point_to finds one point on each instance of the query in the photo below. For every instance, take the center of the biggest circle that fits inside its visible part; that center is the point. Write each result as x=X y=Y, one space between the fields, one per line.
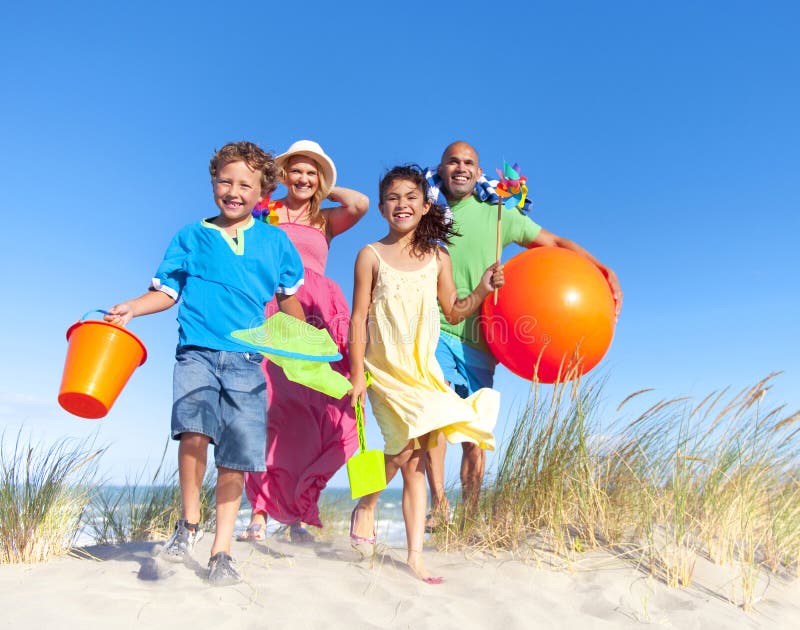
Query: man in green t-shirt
x=462 y=352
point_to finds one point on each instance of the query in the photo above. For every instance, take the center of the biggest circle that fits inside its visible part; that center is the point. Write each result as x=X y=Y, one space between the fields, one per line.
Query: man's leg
x=473 y=465
x=461 y=362
x=479 y=371
x=440 y=508
x=437 y=445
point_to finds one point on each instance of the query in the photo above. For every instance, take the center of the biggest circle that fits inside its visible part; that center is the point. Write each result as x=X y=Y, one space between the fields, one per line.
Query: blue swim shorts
x=222 y=395
x=468 y=369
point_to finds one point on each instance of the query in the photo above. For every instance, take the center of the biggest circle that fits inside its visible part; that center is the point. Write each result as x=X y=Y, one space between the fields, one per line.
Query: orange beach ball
x=554 y=318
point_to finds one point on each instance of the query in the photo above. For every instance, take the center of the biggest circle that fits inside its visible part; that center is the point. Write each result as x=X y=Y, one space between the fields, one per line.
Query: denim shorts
x=222 y=395
x=466 y=368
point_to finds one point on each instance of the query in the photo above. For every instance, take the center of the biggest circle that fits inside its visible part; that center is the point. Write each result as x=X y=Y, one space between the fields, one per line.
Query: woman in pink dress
x=309 y=435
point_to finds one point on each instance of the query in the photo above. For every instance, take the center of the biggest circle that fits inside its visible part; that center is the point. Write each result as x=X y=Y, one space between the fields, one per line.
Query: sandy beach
x=328 y=585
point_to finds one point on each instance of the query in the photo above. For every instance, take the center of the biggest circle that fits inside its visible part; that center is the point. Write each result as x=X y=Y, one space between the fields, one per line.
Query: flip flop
x=433 y=579
x=253 y=532
x=299 y=535
x=355 y=539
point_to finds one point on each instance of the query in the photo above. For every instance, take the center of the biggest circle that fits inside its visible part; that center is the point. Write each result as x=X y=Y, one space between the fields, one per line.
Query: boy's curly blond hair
x=252 y=155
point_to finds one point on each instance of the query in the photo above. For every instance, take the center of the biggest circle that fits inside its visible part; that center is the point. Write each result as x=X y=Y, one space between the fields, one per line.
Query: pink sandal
x=253 y=532
x=355 y=539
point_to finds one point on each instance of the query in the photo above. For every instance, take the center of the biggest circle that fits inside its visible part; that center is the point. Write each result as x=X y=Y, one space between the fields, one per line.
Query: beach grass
x=661 y=487
x=334 y=512
x=659 y=483
x=141 y=512
x=44 y=492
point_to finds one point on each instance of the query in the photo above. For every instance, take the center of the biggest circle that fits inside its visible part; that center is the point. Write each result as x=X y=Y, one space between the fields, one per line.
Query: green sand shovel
x=366 y=470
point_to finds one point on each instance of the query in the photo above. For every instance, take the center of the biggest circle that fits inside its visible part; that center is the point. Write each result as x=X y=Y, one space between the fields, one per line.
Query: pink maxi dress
x=309 y=434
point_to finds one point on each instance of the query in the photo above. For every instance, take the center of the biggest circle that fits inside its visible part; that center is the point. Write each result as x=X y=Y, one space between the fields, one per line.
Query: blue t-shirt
x=223 y=283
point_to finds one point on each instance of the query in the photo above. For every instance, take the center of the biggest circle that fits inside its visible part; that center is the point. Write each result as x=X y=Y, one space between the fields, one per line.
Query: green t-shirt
x=473 y=251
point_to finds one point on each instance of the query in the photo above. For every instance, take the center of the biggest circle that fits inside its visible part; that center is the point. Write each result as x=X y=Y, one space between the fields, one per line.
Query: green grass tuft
x=139 y=512
x=43 y=495
x=660 y=487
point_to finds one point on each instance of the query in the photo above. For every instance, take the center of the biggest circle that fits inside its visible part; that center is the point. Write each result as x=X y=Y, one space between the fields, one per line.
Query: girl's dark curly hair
x=433 y=228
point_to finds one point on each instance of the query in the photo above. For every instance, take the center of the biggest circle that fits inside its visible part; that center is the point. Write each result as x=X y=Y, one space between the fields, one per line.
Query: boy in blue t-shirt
x=224 y=270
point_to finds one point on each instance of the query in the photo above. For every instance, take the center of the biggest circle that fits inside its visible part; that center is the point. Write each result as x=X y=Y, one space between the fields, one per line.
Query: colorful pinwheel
x=511 y=193
x=511 y=188
x=267 y=211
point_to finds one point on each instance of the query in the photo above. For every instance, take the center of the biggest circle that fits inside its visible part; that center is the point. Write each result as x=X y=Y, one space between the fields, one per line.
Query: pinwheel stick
x=499 y=245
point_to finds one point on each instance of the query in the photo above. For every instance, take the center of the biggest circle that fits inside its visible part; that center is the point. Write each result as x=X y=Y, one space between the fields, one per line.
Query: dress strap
x=434 y=261
x=297 y=218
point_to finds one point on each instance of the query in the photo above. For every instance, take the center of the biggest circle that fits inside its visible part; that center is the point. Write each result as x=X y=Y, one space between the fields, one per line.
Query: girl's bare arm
x=457 y=309
x=363 y=280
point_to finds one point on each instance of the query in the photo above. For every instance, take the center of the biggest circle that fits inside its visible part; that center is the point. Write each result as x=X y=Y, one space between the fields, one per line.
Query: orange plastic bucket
x=100 y=359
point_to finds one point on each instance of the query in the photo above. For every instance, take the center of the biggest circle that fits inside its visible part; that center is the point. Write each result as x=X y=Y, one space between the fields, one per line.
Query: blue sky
x=664 y=137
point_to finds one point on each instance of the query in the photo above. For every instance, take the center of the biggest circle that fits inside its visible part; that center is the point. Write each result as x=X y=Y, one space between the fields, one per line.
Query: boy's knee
x=194 y=440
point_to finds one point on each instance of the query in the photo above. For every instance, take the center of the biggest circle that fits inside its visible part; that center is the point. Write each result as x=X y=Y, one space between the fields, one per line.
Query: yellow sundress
x=409 y=395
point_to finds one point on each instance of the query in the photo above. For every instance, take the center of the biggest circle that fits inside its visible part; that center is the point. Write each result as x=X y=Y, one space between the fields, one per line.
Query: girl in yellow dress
x=394 y=329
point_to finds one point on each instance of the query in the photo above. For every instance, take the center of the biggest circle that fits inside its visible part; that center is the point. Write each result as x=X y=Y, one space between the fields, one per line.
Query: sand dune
x=327 y=585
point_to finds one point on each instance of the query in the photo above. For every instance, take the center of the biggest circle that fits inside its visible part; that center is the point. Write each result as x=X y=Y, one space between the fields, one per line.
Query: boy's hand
x=493 y=278
x=290 y=305
x=359 y=391
x=119 y=314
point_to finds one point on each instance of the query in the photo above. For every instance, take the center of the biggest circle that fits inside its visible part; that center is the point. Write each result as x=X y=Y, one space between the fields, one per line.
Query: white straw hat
x=311 y=149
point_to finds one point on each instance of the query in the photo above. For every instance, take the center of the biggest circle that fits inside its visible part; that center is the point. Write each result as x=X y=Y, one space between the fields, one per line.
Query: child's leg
x=440 y=507
x=415 y=500
x=191 y=470
x=230 y=484
x=363 y=518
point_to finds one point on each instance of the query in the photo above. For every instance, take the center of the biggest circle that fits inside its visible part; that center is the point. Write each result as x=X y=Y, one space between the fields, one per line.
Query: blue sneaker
x=221 y=571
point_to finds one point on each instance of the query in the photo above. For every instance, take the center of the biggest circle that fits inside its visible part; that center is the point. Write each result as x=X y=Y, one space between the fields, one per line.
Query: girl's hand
x=493 y=278
x=359 y=391
x=119 y=314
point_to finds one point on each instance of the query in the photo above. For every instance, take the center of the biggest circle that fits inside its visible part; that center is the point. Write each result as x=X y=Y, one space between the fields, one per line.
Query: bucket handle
x=95 y=310
x=105 y=312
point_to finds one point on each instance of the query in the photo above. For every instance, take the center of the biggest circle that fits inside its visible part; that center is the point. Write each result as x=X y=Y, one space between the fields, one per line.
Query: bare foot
x=417 y=567
x=299 y=535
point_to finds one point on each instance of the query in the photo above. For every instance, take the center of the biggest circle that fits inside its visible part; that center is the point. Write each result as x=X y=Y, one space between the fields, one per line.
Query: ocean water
x=335 y=508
